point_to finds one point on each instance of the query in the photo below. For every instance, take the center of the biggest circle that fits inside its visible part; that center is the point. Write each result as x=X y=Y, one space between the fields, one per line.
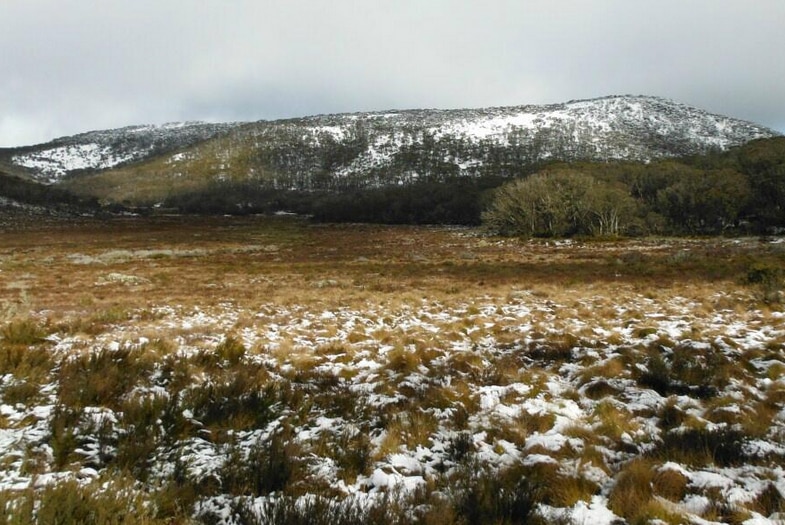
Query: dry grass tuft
x=633 y=496
x=670 y=484
x=407 y=430
x=557 y=487
x=98 y=503
x=23 y=332
x=769 y=501
x=612 y=421
x=101 y=378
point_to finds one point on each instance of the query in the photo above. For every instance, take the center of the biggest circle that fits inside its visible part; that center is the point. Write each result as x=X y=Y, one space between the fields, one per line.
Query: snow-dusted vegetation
x=348 y=151
x=101 y=150
x=270 y=371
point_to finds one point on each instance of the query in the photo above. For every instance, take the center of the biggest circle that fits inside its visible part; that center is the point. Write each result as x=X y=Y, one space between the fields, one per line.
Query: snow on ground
x=56 y=162
x=384 y=357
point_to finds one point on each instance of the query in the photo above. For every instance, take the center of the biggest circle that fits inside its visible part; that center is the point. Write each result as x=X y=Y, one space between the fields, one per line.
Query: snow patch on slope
x=56 y=162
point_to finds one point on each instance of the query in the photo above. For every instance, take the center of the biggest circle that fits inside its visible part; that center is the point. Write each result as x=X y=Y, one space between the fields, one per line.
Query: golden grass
x=226 y=270
x=633 y=495
x=613 y=421
x=209 y=292
x=670 y=484
x=406 y=430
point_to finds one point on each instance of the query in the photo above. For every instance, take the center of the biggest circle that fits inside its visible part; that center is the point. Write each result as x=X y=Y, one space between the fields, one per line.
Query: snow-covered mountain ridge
x=395 y=147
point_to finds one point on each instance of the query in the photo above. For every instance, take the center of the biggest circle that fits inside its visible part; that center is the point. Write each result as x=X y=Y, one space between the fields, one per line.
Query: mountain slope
x=99 y=150
x=367 y=150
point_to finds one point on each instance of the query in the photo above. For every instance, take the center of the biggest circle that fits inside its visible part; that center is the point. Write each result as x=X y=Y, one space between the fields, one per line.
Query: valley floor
x=267 y=370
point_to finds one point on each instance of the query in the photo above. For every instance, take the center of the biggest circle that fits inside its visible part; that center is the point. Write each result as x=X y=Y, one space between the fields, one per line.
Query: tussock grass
x=114 y=503
x=24 y=332
x=516 y=430
x=404 y=359
x=609 y=369
x=613 y=421
x=670 y=484
x=600 y=389
x=633 y=496
x=406 y=430
x=769 y=501
x=699 y=447
x=101 y=378
x=29 y=364
x=554 y=486
x=307 y=367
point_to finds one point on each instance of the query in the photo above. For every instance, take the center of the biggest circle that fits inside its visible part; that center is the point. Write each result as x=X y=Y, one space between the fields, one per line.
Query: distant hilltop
x=362 y=150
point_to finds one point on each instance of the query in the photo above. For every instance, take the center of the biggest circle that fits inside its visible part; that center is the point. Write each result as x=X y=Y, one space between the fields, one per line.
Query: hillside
x=101 y=150
x=365 y=150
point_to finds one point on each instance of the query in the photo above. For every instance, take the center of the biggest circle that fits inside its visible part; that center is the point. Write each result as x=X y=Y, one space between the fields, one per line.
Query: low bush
x=316 y=510
x=722 y=446
x=101 y=378
x=23 y=332
x=271 y=465
x=633 y=496
x=240 y=400
x=769 y=280
x=98 y=503
x=480 y=495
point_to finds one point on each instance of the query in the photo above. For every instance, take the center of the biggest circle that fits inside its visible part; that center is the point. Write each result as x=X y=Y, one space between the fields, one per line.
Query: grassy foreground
x=266 y=370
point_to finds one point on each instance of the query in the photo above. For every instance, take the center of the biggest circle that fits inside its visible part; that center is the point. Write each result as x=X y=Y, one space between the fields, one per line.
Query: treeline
x=742 y=190
x=455 y=201
x=33 y=193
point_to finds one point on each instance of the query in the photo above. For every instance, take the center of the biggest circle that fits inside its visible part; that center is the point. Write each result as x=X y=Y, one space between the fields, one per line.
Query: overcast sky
x=69 y=66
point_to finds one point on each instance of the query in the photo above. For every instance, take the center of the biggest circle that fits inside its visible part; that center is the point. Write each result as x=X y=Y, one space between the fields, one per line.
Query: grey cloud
x=79 y=65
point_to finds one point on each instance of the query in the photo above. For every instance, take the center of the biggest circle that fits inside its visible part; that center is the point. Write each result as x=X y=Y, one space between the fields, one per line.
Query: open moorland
x=270 y=370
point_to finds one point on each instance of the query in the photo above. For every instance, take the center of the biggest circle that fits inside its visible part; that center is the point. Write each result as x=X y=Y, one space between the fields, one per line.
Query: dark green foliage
x=29 y=192
x=453 y=201
x=101 y=378
x=704 y=201
x=721 y=446
x=686 y=371
x=318 y=511
x=240 y=198
x=448 y=201
x=769 y=279
x=142 y=433
x=269 y=466
x=461 y=447
x=475 y=496
x=763 y=162
x=741 y=190
x=62 y=434
x=353 y=453
x=240 y=402
x=507 y=497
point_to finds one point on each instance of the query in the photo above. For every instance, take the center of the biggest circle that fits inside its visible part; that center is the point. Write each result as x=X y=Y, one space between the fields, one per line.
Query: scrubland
x=268 y=370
